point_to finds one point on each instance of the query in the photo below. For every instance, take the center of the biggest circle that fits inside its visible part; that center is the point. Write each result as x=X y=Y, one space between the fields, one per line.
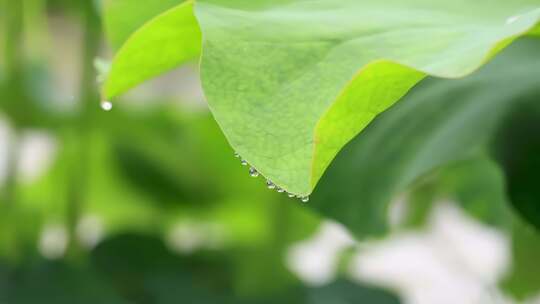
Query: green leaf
x=518 y=150
x=123 y=17
x=55 y=282
x=535 y=31
x=439 y=122
x=523 y=280
x=476 y=184
x=162 y=44
x=347 y=292
x=290 y=82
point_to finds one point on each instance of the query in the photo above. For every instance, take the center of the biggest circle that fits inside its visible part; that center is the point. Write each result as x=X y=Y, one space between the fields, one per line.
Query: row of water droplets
x=254 y=173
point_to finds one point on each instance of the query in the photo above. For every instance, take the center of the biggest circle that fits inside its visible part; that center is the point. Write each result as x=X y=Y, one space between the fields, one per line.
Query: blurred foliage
x=519 y=155
x=477 y=184
x=524 y=280
x=439 y=122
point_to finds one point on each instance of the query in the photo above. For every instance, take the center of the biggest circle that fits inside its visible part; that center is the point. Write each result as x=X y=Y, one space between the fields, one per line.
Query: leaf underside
x=290 y=82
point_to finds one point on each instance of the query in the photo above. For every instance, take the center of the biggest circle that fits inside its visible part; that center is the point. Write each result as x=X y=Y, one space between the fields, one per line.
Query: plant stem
x=13 y=65
x=13 y=42
x=89 y=98
x=10 y=183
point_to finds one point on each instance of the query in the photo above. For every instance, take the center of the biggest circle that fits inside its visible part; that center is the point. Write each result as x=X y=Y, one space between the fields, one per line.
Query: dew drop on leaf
x=305 y=199
x=270 y=185
x=280 y=190
x=243 y=162
x=253 y=172
x=290 y=195
x=106 y=105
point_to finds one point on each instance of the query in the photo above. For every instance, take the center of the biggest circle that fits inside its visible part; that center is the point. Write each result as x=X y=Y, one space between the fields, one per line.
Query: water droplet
x=244 y=162
x=291 y=195
x=280 y=190
x=253 y=172
x=270 y=185
x=236 y=155
x=106 y=105
x=305 y=199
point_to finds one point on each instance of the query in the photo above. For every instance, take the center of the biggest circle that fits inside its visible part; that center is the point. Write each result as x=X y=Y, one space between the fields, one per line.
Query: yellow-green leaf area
x=160 y=45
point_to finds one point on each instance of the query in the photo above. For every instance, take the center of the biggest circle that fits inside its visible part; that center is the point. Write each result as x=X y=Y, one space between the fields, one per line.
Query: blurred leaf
x=116 y=258
x=151 y=170
x=26 y=104
x=162 y=44
x=55 y=282
x=518 y=149
x=123 y=17
x=168 y=166
x=523 y=281
x=346 y=292
x=439 y=122
x=288 y=224
x=160 y=277
x=536 y=31
x=291 y=82
x=476 y=184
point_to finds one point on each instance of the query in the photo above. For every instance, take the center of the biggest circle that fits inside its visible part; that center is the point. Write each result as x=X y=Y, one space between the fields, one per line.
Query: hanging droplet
x=290 y=195
x=270 y=185
x=244 y=162
x=106 y=105
x=305 y=199
x=236 y=155
x=280 y=190
x=253 y=172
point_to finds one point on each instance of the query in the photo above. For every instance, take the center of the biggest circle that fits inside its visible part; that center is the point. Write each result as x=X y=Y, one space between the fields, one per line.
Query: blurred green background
x=146 y=203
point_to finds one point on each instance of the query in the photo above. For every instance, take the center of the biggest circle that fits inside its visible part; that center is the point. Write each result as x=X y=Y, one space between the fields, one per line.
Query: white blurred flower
x=457 y=260
x=53 y=241
x=90 y=231
x=315 y=260
x=36 y=153
x=188 y=237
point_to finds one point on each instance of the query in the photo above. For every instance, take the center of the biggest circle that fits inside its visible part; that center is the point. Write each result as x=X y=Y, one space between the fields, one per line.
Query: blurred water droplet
x=253 y=172
x=270 y=185
x=243 y=162
x=106 y=105
x=236 y=155
x=305 y=199
x=280 y=190
x=290 y=195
